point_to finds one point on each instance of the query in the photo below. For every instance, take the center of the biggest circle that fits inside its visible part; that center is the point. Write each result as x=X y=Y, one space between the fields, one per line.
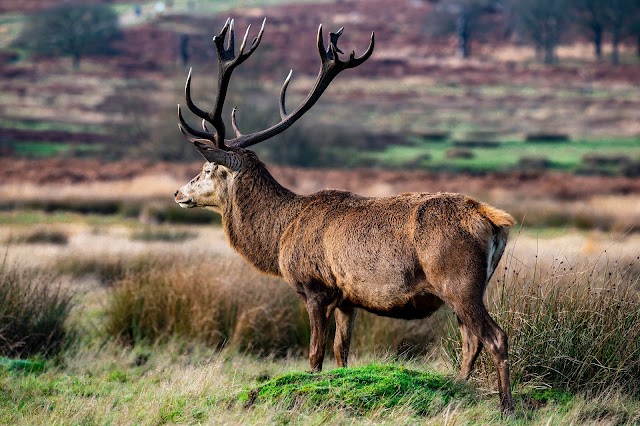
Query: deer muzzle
x=183 y=201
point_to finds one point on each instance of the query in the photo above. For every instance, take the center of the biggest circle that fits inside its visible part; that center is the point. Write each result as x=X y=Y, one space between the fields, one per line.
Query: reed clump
x=571 y=325
x=33 y=313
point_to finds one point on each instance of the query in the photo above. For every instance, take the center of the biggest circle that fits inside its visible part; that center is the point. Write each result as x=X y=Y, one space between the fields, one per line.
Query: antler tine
x=330 y=67
x=219 y=39
x=187 y=94
x=244 y=40
x=257 y=39
x=233 y=122
x=231 y=46
x=204 y=126
x=184 y=126
x=283 y=91
x=354 y=62
x=320 y=43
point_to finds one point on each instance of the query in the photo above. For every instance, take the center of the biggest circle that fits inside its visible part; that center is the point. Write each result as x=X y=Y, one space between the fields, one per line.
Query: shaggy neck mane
x=258 y=212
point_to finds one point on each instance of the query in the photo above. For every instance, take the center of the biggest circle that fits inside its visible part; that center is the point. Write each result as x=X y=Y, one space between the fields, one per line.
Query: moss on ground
x=360 y=390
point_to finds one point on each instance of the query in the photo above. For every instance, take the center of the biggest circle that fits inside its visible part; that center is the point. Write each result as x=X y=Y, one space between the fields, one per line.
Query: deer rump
x=400 y=256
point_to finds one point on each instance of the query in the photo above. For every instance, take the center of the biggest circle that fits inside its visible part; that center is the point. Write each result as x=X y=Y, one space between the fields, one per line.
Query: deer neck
x=259 y=211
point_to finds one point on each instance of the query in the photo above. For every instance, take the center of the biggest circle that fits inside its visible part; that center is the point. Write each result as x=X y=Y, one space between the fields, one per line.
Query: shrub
x=43 y=236
x=476 y=143
x=570 y=326
x=599 y=160
x=432 y=136
x=547 y=137
x=534 y=163
x=33 y=314
x=464 y=153
x=607 y=165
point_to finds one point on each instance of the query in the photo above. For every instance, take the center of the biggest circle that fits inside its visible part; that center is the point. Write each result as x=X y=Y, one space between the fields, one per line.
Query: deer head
x=226 y=158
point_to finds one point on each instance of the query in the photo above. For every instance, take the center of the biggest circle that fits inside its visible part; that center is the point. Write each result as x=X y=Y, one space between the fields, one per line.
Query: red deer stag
x=402 y=256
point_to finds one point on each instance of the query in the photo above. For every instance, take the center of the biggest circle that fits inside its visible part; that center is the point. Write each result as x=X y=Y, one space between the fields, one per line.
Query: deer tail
x=498 y=217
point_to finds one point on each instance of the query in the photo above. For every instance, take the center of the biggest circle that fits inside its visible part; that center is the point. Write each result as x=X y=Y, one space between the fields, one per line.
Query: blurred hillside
x=454 y=85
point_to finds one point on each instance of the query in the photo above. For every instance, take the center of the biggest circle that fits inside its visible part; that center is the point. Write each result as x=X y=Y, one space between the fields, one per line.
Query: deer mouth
x=186 y=203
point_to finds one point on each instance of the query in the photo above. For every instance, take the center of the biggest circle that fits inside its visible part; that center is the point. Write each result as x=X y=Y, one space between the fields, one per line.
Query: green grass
x=180 y=383
x=44 y=125
x=49 y=149
x=566 y=156
x=22 y=365
x=360 y=390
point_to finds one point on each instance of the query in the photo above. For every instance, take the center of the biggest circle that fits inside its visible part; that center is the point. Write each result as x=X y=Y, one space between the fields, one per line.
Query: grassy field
x=118 y=307
x=168 y=326
x=508 y=155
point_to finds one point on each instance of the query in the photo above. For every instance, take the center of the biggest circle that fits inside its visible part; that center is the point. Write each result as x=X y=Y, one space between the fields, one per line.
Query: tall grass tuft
x=33 y=314
x=224 y=302
x=218 y=301
x=570 y=325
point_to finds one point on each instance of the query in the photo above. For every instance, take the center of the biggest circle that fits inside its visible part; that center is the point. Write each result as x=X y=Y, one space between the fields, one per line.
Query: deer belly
x=393 y=301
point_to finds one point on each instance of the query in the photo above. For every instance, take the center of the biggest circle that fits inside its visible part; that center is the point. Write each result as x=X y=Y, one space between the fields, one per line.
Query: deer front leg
x=319 y=314
x=345 y=318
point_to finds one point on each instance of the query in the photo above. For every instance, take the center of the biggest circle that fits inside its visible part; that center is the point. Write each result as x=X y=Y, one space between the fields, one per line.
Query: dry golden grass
x=179 y=302
x=221 y=301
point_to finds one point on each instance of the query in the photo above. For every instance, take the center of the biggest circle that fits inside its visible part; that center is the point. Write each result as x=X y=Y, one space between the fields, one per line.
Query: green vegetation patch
x=607 y=155
x=22 y=365
x=48 y=149
x=359 y=390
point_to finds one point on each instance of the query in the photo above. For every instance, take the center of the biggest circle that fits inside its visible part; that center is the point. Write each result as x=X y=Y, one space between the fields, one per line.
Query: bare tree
x=592 y=15
x=622 y=17
x=464 y=17
x=74 y=30
x=543 y=22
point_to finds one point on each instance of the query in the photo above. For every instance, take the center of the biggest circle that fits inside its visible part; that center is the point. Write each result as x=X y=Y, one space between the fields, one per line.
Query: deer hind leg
x=345 y=318
x=471 y=347
x=319 y=314
x=478 y=321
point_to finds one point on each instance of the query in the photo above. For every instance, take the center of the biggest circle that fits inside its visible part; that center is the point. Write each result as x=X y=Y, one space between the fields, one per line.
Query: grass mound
x=360 y=390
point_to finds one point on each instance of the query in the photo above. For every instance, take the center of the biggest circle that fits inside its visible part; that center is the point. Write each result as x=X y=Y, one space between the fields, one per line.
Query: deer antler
x=227 y=62
x=213 y=146
x=330 y=67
